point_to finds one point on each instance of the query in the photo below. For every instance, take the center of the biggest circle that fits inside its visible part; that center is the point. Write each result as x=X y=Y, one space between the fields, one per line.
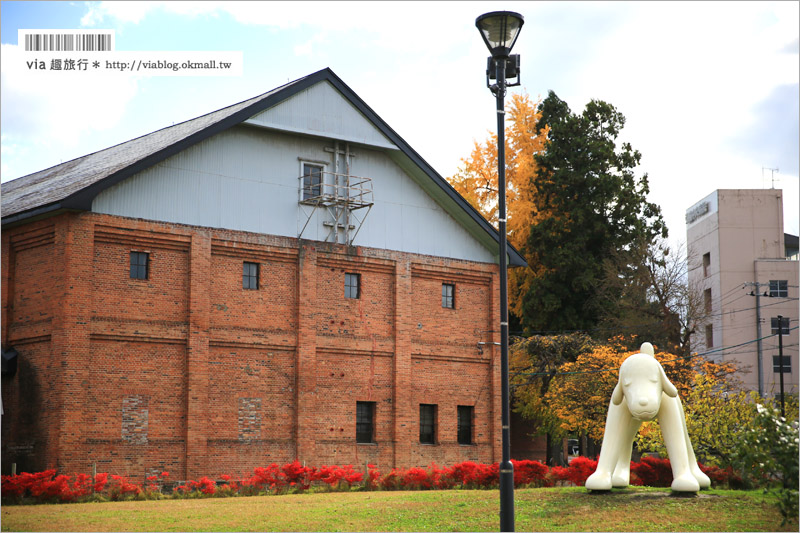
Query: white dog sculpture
x=648 y=394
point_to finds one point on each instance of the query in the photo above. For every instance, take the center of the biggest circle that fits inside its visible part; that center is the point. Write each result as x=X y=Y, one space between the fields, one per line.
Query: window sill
x=366 y=443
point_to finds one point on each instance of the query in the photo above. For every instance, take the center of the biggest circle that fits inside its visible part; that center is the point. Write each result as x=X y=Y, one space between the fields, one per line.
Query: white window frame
x=322 y=181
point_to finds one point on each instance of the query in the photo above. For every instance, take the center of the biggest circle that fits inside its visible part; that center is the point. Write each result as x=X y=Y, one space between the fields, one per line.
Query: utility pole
x=757 y=293
x=780 y=358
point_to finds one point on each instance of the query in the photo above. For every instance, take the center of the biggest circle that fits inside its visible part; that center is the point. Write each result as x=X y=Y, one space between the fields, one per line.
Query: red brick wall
x=189 y=372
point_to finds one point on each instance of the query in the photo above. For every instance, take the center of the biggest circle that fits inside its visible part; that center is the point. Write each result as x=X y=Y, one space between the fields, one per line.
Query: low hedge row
x=293 y=477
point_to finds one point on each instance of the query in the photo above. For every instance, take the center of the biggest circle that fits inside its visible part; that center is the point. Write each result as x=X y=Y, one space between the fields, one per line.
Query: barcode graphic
x=68 y=42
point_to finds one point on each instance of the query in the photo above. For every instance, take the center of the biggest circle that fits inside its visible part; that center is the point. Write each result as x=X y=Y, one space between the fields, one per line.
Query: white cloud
x=45 y=110
x=689 y=77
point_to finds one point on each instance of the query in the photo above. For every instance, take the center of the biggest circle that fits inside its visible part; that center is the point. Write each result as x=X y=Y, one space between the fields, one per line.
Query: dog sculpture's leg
x=701 y=477
x=622 y=471
x=616 y=427
x=672 y=428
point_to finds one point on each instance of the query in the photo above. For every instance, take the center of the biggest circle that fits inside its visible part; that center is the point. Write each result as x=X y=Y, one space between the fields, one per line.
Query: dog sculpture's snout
x=643 y=401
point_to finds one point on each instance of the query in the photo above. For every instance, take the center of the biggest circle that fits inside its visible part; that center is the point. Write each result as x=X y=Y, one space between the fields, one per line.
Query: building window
x=465 y=418
x=448 y=295
x=709 y=336
x=365 y=422
x=139 y=264
x=352 y=285
x=787 y=364
x=312 y=180
x=427 y=424
x=707 y=300
x=250 y=276
x=706 y=264
x=779 y=288
x=783 y=326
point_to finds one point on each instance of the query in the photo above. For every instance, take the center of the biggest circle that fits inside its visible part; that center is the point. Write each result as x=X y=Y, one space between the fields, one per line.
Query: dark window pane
x=352 y=285
x=448 y=295
x=139 y=262
x=250 y=275
x=784 y=325
x=787 y=364
x=312 y=180
x=427 y=424
x=779 y=288
x=465 y=416
x=365 y=413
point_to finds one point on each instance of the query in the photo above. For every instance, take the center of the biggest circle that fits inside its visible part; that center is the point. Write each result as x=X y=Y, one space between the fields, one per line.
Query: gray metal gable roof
x=74 y=184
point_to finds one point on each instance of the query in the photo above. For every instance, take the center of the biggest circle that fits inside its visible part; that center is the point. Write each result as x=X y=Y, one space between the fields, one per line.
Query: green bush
x=769 y=453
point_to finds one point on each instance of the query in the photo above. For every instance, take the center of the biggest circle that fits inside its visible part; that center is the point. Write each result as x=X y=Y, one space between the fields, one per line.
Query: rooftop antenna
x=773 y=171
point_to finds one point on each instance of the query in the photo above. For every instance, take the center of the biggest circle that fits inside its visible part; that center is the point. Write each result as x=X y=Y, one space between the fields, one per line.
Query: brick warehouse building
x=282 y=278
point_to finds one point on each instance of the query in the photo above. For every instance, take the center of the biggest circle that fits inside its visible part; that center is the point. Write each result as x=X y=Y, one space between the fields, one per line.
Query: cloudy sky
x=709 y=90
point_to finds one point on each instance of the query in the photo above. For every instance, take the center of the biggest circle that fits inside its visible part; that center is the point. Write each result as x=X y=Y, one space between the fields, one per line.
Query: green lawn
x=556 y=509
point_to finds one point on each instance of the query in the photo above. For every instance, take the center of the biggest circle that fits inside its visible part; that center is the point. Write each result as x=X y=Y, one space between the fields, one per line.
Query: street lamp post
x=500 y=30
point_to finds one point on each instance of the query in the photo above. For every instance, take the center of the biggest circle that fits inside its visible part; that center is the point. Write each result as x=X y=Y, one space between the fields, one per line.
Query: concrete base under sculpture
x=647 y=394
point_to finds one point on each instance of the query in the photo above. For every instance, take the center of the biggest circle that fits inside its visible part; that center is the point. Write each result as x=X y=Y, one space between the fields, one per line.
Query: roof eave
x=82 y=199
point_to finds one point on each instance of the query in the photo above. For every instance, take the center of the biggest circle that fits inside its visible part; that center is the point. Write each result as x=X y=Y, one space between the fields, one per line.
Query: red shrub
x=653 y=471
x=416 y=478
x=373 y=477
x=296 y=475
x=442 y=477
x=100 y=481
x=334 y=475
x=476 y=475
x=530 y=473
x=576 y=473
x=120 y=487
x=725 y=477
x=391 y=481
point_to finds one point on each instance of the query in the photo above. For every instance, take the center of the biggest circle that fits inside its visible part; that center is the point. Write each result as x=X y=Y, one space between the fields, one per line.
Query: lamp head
x=500 y=30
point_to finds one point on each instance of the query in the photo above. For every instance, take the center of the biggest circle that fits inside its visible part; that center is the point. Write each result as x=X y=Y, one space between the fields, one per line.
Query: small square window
x=778 y=288
x=139 y=264
x=784 y=325
x=250 y=276
x=787 y=364
x=352 y=285
x=466 y=414
x=365 y=422
x=427 y=424
x=448 y=295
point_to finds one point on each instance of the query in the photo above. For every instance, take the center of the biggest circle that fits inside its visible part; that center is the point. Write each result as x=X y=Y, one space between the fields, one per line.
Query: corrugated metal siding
x=320 y=110
x=247 y=179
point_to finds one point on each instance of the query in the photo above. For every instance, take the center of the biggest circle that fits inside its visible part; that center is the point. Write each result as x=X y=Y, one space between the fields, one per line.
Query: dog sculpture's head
x=641 y=382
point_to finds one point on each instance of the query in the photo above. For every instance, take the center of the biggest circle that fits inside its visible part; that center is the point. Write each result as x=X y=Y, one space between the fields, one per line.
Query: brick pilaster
x=403 y=422
x=7 y=288
x=70 y=342
x=306 y=363
x=197 y=357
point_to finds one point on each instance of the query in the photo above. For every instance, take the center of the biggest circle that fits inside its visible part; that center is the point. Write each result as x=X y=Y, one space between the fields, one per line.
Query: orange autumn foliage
x=580 y=394
x=477 y=179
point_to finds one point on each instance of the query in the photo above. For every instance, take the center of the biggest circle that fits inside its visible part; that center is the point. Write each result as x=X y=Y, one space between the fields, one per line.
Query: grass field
x=555 y=509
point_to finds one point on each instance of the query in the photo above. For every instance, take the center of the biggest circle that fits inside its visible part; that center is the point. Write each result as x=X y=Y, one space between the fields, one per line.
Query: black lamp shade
x=500 y=30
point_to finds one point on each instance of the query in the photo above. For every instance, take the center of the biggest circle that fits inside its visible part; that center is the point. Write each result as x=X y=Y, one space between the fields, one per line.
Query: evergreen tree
x=589 y=206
